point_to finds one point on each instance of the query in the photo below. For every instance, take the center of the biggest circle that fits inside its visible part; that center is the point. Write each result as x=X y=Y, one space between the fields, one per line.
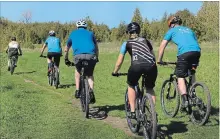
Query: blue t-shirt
x=123 y=48
x=184 y=38
x=82 y=42
x=53 y=44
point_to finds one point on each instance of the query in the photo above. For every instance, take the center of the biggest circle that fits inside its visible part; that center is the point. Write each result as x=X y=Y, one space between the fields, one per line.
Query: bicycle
x=53 y=75
x=145 y=111
x=84 y=88
x=12 y=64
x=200 y=116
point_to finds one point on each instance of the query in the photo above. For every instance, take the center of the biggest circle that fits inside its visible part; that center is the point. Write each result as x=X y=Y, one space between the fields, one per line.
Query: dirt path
x=96 y=113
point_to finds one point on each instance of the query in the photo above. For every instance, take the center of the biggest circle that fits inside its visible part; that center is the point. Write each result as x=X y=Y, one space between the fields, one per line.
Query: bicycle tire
x=133 y=128
x=176 y=96
x=56 y=79
x=207 y=108
x=149 y=125
x=82 y=94
x=87 y=98
x=51 y=78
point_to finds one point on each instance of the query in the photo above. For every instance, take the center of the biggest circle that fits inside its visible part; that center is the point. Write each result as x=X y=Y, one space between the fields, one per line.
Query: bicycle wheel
x=87 y=98
x=50 y=78
x=200 y=102
x=170 y=98
x=56 y=79
x=150 y=117
x=134 y=125
x=82 y=94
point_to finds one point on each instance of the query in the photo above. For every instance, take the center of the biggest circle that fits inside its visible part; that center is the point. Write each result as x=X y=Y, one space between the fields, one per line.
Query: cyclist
x=188 y=52
x=142 y=62
x=84 y=47
x=12 y=50
x=54 y=50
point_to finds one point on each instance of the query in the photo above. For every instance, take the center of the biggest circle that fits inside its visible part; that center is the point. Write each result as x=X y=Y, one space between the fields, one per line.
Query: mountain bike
x=84 y=88
x=53 y=75
x=197 y=94
x=145 y=111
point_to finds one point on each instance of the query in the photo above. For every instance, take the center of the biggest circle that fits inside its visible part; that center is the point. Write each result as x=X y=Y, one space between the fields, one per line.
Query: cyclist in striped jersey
x=142 y=62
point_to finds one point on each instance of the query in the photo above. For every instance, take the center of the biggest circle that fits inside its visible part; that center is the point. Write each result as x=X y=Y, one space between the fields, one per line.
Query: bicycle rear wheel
x=87 y=98
x=82 y=94
x=170 y=98
x=56 y=79
x=133 y=124
x=200 y=101
x=150 y=117
x=50 y=78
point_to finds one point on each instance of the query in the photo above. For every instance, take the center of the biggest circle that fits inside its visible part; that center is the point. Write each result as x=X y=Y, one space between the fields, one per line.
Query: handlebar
x=119 y=74
x=167 y=63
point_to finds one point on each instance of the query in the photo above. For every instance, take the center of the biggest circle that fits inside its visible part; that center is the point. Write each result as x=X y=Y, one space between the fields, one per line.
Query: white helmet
x=81 y=23
x=52 y=33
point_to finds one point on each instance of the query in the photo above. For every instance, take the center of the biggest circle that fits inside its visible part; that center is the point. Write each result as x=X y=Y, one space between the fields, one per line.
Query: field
x=30 y=108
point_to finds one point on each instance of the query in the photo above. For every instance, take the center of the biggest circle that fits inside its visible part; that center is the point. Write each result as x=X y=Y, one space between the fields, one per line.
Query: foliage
x=204 y=24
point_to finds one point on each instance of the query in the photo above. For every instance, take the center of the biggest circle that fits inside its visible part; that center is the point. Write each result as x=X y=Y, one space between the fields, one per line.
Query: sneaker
x=77 y=94
x=15 y=65
x=185 y=104
x=132 y=115
x=8 y=68
x=92 y=97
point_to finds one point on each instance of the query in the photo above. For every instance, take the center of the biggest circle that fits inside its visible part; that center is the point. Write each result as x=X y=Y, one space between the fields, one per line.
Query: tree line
x=205 y=24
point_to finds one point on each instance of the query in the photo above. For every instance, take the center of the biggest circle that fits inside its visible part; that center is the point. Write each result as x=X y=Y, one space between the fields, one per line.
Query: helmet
x=81 y=23
x=174 y=20
x=133 y=27
x=13 y=38
x=52 y=33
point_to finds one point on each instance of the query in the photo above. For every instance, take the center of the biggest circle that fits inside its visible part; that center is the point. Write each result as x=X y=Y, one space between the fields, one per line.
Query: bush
x=28 y=45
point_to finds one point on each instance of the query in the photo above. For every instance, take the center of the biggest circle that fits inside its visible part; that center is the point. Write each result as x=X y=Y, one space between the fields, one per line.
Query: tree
x=137 y=17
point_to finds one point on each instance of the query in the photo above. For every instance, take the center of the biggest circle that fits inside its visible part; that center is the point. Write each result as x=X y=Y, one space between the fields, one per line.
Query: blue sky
x=110 y=13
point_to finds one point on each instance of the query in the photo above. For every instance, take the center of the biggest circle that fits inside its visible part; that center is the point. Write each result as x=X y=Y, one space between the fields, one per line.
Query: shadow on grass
x=66 y=85
x=18 y=73
x=214 y=111
x=101 y=112
x=166 y=131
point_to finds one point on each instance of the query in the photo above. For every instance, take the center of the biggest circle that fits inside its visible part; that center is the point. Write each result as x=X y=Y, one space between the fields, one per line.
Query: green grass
x=30 y=110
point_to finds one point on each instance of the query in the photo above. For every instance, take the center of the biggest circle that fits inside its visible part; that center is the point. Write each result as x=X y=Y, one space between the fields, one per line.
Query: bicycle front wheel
x=12 y=65
x=170 y=98
x=150 y=117
x=200 y=101
x=133 y=124
x=56 y=81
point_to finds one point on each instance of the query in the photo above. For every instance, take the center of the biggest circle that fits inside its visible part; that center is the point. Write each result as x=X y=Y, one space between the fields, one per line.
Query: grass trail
x=41 y=111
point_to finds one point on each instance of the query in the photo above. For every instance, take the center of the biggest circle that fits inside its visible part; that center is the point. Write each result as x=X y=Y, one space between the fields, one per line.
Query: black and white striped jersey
x=139 y=50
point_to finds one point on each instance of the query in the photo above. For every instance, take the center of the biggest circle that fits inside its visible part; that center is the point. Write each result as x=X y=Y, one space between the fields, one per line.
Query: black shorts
x=186 y=62
x=90 y=58
x=135 y=72
x=56 y=57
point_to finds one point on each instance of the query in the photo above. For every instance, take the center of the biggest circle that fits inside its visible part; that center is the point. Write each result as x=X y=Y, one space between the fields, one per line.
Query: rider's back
x=13 y=47
x=53 y=44
x=184 y=38
x=82 y=41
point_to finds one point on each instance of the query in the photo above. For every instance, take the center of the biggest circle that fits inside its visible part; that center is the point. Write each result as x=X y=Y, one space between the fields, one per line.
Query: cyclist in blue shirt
x=54 y=50
x=84 y=47
x=188 y=52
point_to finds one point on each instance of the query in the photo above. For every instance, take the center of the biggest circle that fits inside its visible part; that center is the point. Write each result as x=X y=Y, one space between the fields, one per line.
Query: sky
x=110 y=13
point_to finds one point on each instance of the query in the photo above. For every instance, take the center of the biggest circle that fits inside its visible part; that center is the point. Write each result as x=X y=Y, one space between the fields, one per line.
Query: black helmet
x=174 y=20
x=133 y=27
x=13 y=38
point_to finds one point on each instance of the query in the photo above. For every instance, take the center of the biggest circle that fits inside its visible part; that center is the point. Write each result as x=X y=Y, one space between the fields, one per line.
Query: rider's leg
x=183 y=92
x=16 y=60
x=151 y=91
x=91 y=81
x=131 y=98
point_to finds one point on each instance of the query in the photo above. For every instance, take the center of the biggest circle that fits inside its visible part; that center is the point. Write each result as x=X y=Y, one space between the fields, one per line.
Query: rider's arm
x=19 y=48
x=67 y=47
x=120 y=57
x=96 y=46
x=43 y=47
x=163 y=44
